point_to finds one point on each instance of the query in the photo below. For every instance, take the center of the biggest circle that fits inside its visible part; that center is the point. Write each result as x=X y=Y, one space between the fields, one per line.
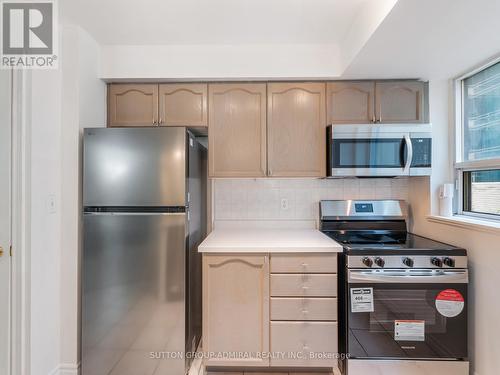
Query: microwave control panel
x=422 y=152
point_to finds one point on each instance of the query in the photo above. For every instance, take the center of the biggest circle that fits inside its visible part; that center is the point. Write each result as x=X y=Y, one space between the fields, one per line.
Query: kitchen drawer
x=303 y=308
x=308 y=339
x=299 y=285
x=304 y=263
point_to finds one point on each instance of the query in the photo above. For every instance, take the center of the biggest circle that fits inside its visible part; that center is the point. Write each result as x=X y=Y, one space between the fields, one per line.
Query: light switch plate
x=51 y=204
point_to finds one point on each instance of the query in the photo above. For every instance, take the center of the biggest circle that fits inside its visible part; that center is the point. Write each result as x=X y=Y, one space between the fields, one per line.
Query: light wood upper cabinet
x=183 y=104
x=296 y=129
x=400 y=101
x=236 y=307
x=350 y=102
x=237 y=130
x=132 y=105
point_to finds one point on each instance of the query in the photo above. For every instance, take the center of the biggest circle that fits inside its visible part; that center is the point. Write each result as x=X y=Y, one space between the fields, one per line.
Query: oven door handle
x=408 y=276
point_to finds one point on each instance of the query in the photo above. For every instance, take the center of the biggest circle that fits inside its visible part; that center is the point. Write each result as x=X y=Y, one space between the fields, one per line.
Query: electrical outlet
x=284 y=204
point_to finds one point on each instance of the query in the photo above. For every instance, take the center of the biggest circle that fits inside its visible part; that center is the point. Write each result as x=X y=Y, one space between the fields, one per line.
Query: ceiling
x=222 y=22
x=426 y=39
x=430 y=39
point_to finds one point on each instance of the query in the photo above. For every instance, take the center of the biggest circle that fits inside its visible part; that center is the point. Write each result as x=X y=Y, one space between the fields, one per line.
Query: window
x=478 y=143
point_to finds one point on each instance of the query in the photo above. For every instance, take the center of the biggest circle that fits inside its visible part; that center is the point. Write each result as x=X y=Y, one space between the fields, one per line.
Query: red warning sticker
x=450 y=303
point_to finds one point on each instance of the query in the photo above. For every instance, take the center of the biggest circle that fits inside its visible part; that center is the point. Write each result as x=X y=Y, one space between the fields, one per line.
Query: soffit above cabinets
x=222 y=22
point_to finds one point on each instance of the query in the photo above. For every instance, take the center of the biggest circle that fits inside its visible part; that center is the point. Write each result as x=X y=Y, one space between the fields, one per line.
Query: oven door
x=417 y=314
x=364 y=155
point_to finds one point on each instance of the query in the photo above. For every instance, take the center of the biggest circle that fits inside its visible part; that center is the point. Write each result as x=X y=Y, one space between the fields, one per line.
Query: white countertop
x=255 y=240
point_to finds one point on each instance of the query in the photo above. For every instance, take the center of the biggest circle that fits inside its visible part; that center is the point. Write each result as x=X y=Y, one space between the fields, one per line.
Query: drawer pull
x=305 y=347
x=305 y=312
x=305 y=287
x=304 y=265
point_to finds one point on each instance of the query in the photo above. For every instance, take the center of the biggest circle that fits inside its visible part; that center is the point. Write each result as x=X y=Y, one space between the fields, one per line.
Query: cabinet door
x=132 y=105
x=237 y=130
x=183 y=104
x=236 y=308
x=296 y=129
x=350 y=102
x=399 y=101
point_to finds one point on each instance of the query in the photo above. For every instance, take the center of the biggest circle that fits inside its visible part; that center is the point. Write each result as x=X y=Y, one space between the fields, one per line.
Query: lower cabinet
x=236 y=309
x=250 y=309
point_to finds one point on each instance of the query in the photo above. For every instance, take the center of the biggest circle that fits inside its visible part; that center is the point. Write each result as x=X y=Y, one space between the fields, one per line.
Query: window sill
x=467 y=222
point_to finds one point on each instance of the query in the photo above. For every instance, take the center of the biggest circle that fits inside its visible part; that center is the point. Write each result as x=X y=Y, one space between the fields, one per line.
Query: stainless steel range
x=404 y=297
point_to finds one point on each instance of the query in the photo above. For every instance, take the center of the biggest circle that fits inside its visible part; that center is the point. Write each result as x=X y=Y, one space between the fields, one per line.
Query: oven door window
x=368 y=153
x=372 y=334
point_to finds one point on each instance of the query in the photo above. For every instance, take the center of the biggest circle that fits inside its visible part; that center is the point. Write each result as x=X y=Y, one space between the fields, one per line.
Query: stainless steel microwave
x=379 y=150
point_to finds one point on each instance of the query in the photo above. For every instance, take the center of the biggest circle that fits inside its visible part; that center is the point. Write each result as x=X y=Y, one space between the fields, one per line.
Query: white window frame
x=461 y=166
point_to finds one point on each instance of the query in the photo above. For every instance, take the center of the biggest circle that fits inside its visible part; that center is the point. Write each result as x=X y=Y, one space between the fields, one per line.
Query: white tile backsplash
x=295 y=199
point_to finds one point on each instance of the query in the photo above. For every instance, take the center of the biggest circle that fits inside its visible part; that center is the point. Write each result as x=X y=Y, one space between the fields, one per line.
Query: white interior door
x=5 y=218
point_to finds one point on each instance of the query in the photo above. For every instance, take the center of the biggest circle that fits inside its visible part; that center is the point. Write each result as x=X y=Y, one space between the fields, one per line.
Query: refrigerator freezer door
x=134 y=167
x=133 y=292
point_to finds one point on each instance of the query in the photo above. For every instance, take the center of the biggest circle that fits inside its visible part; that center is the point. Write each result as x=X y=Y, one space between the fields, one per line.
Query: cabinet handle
x=161 y=121
x=374 y=120
x=270 y=172
x=305 y=312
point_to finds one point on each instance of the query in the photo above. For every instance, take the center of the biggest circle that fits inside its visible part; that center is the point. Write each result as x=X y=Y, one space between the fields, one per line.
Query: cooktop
x=392 y=243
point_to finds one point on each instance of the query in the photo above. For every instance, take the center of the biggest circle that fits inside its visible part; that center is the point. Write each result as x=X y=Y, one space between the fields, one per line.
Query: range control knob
x=367 y=262
x=449 y=262
x=379 y=262
x=437 y=262
x=408 y=262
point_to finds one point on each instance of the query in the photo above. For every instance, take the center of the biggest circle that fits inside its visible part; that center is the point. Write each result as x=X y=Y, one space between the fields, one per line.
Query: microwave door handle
x=459 y=277
x=409 y=154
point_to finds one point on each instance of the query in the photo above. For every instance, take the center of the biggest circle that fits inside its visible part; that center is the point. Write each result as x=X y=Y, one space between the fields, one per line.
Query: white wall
x=69 y=200
x=440 y=108
x=198 y=62
x=45 y=225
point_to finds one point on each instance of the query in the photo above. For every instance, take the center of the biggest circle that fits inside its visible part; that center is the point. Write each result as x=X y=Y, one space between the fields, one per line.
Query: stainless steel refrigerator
x=144 y=195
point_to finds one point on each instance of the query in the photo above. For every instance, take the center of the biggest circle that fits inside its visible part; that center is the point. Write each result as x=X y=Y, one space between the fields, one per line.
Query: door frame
x=20 y=221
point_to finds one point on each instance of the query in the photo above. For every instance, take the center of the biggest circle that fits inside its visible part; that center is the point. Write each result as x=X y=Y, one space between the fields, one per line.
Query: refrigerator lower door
x=407 y=367
x=133 y=293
